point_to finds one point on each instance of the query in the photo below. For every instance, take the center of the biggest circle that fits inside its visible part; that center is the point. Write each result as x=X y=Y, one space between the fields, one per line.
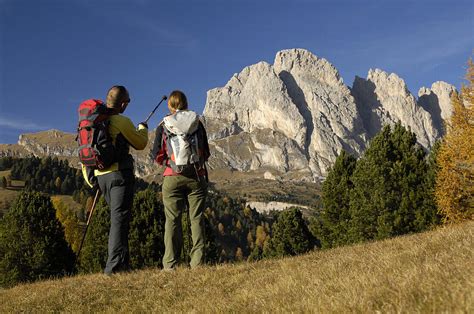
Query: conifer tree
x=290 y=235
x=94 y=251
x=32 y=244
x=146 y=230
x=389 y=187
x=335 y=217
x=430 y=216
x=455 y=180
x=211 y=247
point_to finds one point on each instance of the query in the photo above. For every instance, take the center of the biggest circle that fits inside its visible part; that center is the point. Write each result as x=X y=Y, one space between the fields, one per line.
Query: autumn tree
x=261 y=237
x=455 y=180
x=73 y=230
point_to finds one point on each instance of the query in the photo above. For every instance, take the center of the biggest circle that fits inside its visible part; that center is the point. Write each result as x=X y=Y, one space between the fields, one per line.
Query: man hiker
x=117 y=181
x=181 y=145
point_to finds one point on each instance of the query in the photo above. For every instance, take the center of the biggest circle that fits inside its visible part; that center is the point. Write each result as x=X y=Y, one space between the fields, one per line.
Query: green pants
x=179 y=193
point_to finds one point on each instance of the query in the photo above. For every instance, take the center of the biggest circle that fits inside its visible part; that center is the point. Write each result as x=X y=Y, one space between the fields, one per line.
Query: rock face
x=296 y=115
x=437 y=101
x=384 y=99
x=49 y=143
x=326 y=104
x=254 y=124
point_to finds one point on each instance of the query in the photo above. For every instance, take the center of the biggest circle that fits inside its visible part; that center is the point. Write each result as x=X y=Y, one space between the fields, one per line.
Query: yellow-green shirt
x=136 y=137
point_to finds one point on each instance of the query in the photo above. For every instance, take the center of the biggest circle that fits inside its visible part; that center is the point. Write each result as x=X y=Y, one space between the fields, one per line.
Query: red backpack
x=96 y=150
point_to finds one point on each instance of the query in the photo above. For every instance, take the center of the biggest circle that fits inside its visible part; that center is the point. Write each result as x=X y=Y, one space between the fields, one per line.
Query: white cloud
x=21 y=125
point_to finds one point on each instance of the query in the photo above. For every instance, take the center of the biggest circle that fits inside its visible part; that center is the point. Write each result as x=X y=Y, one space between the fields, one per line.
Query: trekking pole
x=151 y=113
x=88 y=221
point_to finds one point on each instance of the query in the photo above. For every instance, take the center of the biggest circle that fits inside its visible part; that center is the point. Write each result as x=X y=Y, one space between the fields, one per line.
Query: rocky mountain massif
x=291 y=119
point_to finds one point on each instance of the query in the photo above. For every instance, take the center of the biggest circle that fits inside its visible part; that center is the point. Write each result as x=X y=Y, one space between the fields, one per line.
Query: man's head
x=118 y=98
x=177 y=101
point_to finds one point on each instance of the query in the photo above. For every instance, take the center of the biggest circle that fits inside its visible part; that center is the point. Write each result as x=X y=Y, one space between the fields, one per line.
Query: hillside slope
x=429 y=272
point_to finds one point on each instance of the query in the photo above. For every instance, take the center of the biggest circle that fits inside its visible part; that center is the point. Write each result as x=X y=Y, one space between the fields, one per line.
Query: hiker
x=184 y=179
x=117 y=182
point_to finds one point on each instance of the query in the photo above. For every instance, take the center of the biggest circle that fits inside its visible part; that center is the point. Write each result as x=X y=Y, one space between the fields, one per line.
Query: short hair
x=116 y=96
x=177 y=100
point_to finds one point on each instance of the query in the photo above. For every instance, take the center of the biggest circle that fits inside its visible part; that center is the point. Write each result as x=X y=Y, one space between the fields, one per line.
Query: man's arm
x=136 y=137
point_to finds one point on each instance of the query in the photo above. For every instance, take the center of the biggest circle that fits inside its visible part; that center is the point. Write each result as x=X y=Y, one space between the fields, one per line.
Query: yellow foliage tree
x=260 y=235
x=455 y=179
x=70 y=222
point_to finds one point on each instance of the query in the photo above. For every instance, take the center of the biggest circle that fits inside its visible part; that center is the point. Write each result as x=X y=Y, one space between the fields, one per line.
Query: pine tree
x=32 y=244
x=455 y=180
x=389 y=186
x=290 y=235
x=94 y=251
x=146 y=231
x=429 y=215
x=335 y=217
x=211 y=247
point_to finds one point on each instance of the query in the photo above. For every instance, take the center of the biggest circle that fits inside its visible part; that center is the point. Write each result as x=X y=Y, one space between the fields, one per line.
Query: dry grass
x=427 y=273
x=8 y=195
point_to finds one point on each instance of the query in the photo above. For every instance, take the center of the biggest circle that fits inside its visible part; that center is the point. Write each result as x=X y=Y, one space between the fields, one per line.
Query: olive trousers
x=179 y=193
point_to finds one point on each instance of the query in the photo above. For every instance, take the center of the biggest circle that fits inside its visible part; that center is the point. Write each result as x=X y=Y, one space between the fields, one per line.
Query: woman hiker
x=181 y=145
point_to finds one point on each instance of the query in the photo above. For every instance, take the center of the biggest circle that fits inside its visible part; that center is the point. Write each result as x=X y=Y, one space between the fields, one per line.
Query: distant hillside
x=253 y=185
x=428 y=273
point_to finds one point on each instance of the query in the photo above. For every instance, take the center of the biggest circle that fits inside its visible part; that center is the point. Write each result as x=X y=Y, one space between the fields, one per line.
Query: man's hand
x=144 y=124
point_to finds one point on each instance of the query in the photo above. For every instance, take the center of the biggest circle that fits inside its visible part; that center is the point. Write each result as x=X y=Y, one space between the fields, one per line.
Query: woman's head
x=177 y=101
x=118 y=98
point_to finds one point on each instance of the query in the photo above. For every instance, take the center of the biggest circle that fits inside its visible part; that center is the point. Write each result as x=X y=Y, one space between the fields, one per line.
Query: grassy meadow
x=8 y=195
x=430 y=272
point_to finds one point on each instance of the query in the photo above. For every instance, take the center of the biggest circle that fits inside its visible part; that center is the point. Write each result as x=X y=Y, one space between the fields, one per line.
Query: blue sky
x=56 y=53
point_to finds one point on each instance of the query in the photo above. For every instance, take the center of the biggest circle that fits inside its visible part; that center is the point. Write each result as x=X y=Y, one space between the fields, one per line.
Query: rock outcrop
x=437 y=101
x=384 y=98
x=330 y=113
x=297 y=114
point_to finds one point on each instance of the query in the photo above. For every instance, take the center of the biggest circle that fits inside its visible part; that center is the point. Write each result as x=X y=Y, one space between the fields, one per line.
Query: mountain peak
x=310 y=114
